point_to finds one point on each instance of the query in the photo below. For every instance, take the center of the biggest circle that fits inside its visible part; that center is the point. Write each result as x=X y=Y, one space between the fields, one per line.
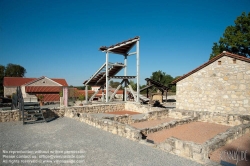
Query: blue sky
x=61 y=38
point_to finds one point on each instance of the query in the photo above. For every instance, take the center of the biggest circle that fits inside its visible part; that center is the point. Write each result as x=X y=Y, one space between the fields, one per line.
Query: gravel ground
x=65 y=135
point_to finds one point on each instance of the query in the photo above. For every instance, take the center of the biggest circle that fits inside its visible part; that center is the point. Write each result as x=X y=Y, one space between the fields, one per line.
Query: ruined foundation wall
x=102 y=108
x=114 y=127
x=211 y=117
x=200 y=152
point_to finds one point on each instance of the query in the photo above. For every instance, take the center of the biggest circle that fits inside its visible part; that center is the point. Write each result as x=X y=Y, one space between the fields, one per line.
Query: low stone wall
x=211 y=117
x=100 y=108
x=157 y=113
x=125 y=119
x=132 y=106
x=200 y=152
x=114 y=127
x=13 y=115
x=128 y=119
x=9 y=115
x=168 y=125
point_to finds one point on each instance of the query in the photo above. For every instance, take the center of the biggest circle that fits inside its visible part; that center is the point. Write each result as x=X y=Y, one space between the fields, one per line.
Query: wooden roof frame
x=121 y=48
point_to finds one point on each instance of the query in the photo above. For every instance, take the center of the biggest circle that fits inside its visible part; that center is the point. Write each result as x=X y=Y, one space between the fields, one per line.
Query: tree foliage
x=13 y=70
x=133 y=85
x=2 y=71
x=162 y=77
x=114 y=84
x=236 y=39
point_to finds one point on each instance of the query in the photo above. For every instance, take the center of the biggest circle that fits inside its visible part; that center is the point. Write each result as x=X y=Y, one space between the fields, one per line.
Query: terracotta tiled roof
x=60 y=81
x=50 y=97
x=18 y=81
x=90 y=92
x=211 y=61
x=42 y=89
x=119 y=92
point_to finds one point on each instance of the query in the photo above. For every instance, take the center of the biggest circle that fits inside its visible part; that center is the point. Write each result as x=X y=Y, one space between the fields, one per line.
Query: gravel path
x=69 y=136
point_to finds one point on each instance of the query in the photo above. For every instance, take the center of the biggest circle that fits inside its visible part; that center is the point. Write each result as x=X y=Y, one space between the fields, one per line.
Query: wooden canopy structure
x=109 y=70
x=156 y=84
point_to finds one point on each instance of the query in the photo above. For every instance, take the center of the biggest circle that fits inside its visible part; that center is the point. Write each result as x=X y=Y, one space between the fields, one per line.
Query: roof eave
x=224 y=53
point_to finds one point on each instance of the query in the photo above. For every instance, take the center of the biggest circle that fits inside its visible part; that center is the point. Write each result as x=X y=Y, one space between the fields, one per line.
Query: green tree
x=2 y=72
x=83 y=87
x=173 y=88
x=114 y=84
x=162 y=77
x=133 y=85
x=13 y=70
x=236 y=39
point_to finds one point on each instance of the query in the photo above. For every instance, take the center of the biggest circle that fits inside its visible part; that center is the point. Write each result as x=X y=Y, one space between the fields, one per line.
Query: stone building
x=32 y=87
x=220 y=85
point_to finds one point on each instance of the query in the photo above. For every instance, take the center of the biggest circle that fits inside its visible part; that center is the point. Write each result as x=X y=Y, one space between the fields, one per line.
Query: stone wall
x=132 y=106
x=8 y=91
x=114 y=127
x=220 y=88
x=168 y=125
x=13 y=115
x=128 y=119
x=9 y=115
x=200 y=152
x=211 y=117
x=100 y=108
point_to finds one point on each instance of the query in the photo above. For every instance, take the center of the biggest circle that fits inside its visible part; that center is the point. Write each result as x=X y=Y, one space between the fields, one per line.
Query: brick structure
x=220 y=85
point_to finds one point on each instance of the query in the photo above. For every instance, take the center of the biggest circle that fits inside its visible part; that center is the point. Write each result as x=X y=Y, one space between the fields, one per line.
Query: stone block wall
x=200 y=152
x=8 y=91
x=168 y=125
x=217 y=87
x=13 y=115
x=9 y=115
x=131 y=106
x=102 y=108
x=211 y=117
x=114 y=127
x=128 y=119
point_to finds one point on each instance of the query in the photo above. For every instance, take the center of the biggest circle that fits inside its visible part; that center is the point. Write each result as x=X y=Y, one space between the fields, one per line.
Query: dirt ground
x=123 y=112
x=198 y=132
x=237 y=152
x=151 y=123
